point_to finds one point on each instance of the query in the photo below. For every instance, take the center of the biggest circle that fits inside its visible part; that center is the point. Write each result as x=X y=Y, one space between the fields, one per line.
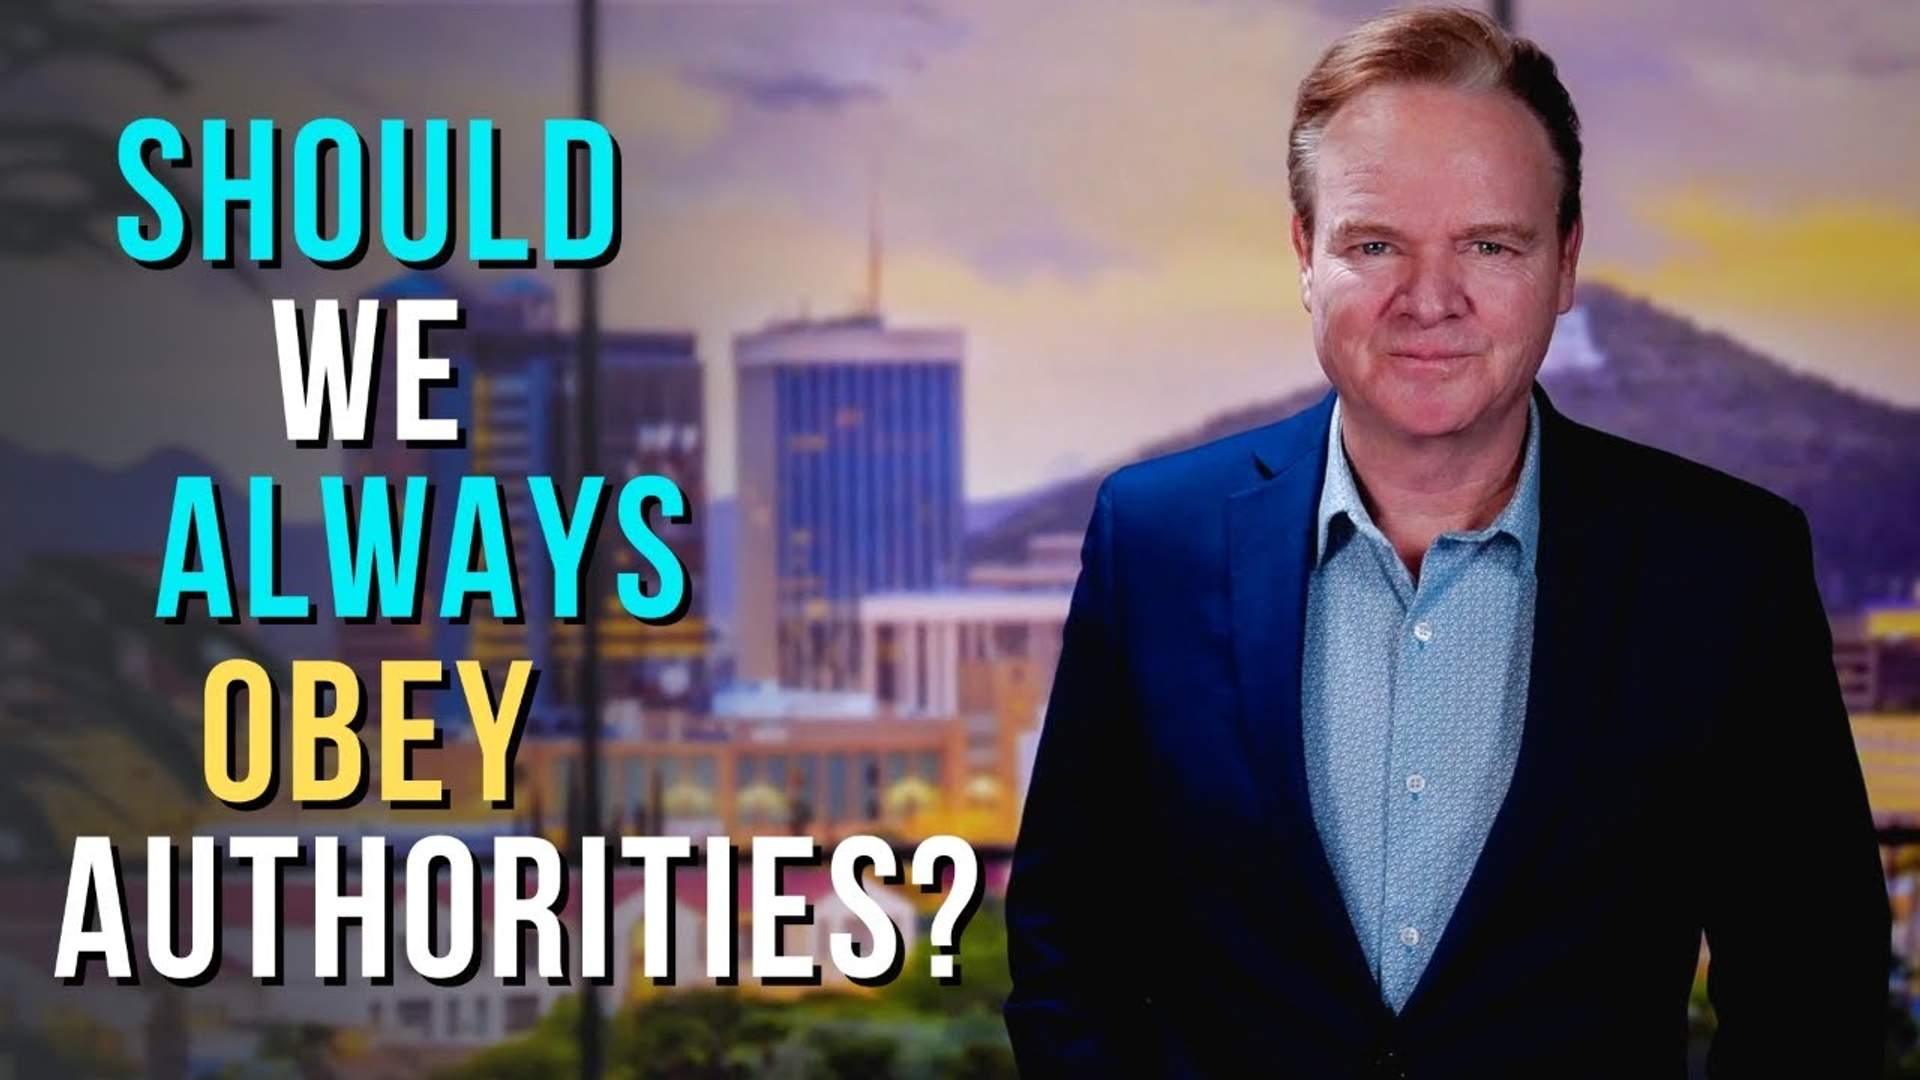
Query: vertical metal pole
x=586 y=421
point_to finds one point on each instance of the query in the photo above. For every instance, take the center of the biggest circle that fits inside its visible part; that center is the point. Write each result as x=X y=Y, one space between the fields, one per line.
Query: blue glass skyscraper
x=850 y=483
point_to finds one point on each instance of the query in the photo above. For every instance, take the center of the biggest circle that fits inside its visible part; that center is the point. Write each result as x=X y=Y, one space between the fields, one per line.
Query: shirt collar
x=1340 y=496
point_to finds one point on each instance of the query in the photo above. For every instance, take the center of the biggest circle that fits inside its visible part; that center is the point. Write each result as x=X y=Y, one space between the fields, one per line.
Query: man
x=1426 y=732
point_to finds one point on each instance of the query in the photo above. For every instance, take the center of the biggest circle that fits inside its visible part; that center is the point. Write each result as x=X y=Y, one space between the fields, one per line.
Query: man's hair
x=1446 y=46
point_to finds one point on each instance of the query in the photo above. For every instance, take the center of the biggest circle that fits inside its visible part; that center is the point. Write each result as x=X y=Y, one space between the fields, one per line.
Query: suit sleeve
x=1797 y=919
x=1067 y=1014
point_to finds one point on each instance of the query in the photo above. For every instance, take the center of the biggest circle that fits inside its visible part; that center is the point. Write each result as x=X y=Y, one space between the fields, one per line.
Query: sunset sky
x=1095 y=192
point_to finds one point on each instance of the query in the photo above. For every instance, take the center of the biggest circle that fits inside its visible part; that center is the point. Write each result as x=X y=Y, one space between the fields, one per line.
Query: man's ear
x=1303 y=250
x=1569 y=260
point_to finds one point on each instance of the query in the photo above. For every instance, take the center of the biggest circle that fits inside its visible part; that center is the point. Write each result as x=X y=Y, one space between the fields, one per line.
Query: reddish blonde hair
x=1446 y=46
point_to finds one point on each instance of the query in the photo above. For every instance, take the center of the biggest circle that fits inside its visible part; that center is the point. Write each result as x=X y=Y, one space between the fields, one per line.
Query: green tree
x=82 y=655
x=915 y=1029
x=707 y=1034
x=548 y=1049
x=80 y=652
x=980 y=1061
x=60 y=187
x=851 y=1054
x=984 y=979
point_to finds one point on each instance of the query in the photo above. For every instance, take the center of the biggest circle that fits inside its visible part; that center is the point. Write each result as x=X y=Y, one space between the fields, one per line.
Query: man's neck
x=1417 y=488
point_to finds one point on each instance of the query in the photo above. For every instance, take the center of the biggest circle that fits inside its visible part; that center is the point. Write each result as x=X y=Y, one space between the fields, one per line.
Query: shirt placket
x=1406 y=935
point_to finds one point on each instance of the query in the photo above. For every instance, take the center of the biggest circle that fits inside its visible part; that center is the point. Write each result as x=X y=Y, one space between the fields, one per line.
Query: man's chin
x=1426 y=409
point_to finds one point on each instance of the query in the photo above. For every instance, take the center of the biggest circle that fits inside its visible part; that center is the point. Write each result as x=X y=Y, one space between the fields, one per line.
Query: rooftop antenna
x=874 y=246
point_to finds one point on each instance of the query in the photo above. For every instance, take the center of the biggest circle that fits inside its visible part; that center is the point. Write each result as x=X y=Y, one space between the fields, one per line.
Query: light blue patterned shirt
x=1412 y=701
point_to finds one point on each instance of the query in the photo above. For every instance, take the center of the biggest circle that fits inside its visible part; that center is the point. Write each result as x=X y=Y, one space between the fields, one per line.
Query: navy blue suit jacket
x=1686 y=767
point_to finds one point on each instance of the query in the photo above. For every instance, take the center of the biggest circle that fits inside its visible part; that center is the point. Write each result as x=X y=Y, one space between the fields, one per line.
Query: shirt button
x=1409 y=936
x=1423 y=631
x=1416 y=783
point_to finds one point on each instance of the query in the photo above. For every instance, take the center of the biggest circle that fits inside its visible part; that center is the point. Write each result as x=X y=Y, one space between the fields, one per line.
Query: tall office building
x=651 y=407
x=364 y=645
x=513 y=395
x=850 y=483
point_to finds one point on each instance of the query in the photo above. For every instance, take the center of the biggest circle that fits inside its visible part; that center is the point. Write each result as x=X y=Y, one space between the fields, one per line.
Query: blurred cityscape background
x=900 y=282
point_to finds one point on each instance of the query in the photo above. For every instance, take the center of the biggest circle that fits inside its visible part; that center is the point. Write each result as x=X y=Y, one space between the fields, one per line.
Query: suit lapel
x=1270 y=529
x=1575 y=609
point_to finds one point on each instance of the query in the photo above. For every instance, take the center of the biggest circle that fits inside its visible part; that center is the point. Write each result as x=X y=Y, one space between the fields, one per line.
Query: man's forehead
x=1450 y=157
x=1425 y=107
x=1409 y=190
x=1386 y=130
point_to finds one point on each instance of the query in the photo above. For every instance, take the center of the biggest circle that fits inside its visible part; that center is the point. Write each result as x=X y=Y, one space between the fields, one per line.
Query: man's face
x=1436 y=269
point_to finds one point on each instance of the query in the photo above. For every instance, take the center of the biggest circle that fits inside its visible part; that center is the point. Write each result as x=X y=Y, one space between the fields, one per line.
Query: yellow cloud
x=651 y=103
x=1840 y=259
x=1826 y=286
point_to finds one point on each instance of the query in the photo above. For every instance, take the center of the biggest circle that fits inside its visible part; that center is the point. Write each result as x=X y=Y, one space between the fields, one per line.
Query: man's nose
x=1433 y=290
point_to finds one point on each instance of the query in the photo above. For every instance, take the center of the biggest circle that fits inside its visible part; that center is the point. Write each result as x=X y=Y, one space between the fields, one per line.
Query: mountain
x=984 y=514
x=58 y=504
x=1622 y=364
x=62 y=505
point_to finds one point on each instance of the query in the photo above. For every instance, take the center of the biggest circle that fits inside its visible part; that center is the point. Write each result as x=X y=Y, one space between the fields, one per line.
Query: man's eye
x=1489 y=247
x=1372 y=247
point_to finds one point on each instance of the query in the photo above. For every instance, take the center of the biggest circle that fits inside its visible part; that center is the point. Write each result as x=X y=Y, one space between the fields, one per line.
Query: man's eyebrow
x=1347 y=231
x=1511 y=230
